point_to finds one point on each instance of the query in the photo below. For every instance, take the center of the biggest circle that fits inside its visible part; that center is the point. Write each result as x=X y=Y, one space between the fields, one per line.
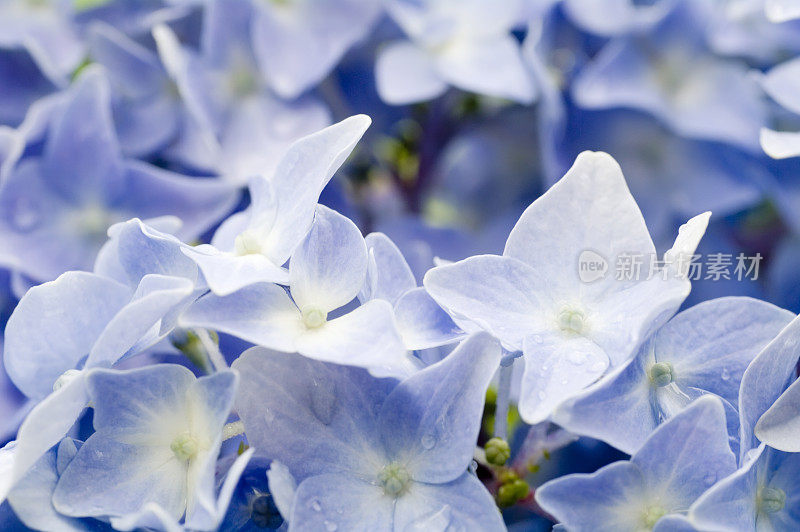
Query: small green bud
x=511 y=493
x=771 y=500
x=661 y=374
x=497 y=451
x=187 y=342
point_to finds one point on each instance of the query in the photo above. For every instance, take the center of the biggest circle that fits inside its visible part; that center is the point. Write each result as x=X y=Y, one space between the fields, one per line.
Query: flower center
x=247 y=243
x=572 y=321
x=651 y=516
x=661 y=374
x=394 y=479
x=184 y=446
x=771 y=500
x=314 y=318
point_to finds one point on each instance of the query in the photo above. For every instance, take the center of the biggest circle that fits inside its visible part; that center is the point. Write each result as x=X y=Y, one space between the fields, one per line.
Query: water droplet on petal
x=315 y=505
x=428 y=441
x=726 y=374
x=330 y=526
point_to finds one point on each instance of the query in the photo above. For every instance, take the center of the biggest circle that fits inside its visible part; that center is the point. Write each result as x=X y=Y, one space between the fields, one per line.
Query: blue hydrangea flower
x=83 y=320
x=763 y=494
x=670 y=73
x=533 y=299
x=232 y=124
x=56 y=207
x=317 y=34
x=39 y=50
x=326 y=273
x=464 y=44
x=370 y=453
x=157 y=435
x=681 y=460
x=252 y=246
x=702 y=350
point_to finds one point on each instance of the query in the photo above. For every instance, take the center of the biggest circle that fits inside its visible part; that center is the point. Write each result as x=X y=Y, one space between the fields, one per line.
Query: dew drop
x=428 y=441
x=315 y=505
x=330 y=526
x=726 y=374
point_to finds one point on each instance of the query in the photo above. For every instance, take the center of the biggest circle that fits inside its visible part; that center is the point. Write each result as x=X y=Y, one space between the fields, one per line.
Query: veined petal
x=328 y=269
x=431 y=420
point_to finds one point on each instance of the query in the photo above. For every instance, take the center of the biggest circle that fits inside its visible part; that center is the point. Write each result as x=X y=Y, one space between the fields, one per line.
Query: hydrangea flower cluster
x=399 y=265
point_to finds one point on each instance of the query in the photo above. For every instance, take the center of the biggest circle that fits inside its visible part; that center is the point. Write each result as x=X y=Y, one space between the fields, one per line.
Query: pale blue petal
x=55 y=326
x=137 y=325
x=462 y=504
x=303 y=172
x=48 y=423
x=312 y=417
x=366 y=337
x=130 y=404
x=328 y=268
x=262 y=314
x=498 y=294
x=227 y=273
x=431 y=420
x=82 y=159
x=406 y=73
x=765 y=379
x=388 y=275
x=423 y=323
x=341 y=502
x=779 y=427
x=492 y=66
x=557 y=368
x=730 y=505
x=31 y=498
x=108 y=477
x=618 y=410
x=688 y=453
x=711 y=344
x=607 y=498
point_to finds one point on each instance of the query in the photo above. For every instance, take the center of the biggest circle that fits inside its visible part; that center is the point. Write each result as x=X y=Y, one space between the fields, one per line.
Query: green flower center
x=314 y=318
x=394 y=479
x=661 y=374
x=185 y=446
x=771 y=500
